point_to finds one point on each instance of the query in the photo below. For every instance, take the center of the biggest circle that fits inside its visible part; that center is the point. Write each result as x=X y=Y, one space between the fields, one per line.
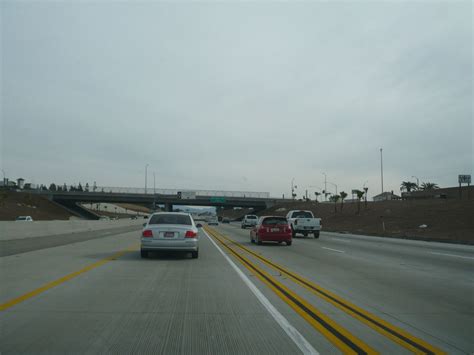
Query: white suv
x=249 y=220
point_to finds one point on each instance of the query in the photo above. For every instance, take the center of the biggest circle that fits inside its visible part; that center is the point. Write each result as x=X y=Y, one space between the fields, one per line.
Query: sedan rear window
x=251 y=217
x=170 y=219
x=272 y=221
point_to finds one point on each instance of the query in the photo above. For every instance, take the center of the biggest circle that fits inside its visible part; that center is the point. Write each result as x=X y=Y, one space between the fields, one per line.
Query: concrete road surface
x=363 y=295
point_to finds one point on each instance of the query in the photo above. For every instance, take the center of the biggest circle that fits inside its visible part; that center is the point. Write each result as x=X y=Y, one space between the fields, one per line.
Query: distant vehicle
x=104 y=218
x=24 y=219
x=186 y=195
x=212 y=220
x=170 y=231
x=249 y=220
x=304 y=222
x=134 y=217
x=225 y=220
x=271 y=229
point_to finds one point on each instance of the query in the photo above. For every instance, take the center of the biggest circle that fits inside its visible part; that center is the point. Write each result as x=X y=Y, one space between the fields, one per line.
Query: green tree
x=343 y=196
x=52 y=187
x=408 y=186
x=425 y=186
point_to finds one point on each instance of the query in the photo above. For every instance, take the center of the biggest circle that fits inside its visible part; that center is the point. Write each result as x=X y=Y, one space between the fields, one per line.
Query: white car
x=24 y=219
x=170 y=231
x=250 y=220
x=213 y=220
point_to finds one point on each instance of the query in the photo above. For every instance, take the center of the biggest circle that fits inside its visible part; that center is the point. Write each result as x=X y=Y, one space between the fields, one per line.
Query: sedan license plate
x=169 y=234
x=275 y=229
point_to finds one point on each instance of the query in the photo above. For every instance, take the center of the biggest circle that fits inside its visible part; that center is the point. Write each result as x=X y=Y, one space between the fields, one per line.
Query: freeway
x=336 y=294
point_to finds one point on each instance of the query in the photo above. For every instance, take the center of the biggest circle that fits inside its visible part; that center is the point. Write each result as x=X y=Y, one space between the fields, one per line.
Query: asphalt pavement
x=335 y=294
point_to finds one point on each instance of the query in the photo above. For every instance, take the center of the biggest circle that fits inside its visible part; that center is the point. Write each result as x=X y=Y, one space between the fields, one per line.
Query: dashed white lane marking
x=338 y=251
x=453 y=255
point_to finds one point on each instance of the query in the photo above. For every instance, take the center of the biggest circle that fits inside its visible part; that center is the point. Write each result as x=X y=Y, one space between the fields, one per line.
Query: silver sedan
x=170 y=231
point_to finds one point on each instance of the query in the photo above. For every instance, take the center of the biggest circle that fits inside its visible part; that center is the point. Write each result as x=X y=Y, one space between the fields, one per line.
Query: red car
x=271 y=229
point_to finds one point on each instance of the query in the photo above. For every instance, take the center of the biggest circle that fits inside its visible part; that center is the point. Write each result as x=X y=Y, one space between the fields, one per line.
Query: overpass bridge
x=71 y=199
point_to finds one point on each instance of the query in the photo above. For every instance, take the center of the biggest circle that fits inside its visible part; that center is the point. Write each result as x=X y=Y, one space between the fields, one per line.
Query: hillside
x=14 y=204
x=445 y=220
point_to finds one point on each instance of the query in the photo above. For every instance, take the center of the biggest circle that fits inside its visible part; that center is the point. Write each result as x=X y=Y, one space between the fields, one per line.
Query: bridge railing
x=216 y=193
x=150 y=191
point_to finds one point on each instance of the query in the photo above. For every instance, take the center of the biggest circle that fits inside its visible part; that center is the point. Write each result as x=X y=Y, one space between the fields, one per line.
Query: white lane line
x=341 y=240
x=454 y=255
x=339 y=251
x=295 y=335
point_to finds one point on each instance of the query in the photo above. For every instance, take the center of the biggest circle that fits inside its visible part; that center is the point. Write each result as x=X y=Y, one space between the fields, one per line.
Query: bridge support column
x=168 y=207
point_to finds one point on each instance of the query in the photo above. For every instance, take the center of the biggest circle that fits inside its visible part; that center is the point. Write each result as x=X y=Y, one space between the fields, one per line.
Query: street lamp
x=417 y=180
x=325 y=186
x=146 y=175
x=381 y=167
x=4 y=178
x=333 y=185
x=293 y=187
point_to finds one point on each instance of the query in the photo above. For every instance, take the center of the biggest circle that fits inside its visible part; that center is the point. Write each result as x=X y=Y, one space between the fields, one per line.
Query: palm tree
x=408 y=186
x=359 y=196
x=343 y=196
x=334 y=198
x=429 y=186
x=316 y=193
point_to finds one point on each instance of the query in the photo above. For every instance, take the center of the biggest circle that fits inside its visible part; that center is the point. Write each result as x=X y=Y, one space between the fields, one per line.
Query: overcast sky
x=237 y=96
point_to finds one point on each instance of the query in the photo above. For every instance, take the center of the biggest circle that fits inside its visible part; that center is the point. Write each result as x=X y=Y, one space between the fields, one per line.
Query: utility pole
x=417 y=181
x=146 y=175
x=381 y=167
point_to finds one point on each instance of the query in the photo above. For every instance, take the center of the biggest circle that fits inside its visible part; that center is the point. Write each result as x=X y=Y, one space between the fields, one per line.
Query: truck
x=186 y=195
x=304 y=222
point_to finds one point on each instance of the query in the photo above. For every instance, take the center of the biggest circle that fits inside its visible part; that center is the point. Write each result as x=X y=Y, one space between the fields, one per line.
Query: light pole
x=365 y=190
x=325 y=186
x=381 y=167
x=333 y=185
x=154 y=191
x=417 y=180
x=4 y=178
x=293 y=187
x=146 y=175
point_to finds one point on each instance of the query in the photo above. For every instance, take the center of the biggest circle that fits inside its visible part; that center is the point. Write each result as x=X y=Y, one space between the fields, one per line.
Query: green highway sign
x=218 y=199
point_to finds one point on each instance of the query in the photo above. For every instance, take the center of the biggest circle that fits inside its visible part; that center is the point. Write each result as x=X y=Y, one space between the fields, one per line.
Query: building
x=20 y=183
x=386 y=196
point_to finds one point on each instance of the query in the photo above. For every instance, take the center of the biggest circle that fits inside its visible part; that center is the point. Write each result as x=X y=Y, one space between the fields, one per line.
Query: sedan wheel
x=195 y=254
x=144 y=254
x=259 y=242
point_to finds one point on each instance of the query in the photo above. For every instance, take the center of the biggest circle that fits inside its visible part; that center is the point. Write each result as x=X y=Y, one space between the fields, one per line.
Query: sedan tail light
x=147 y=233
x=190 y=234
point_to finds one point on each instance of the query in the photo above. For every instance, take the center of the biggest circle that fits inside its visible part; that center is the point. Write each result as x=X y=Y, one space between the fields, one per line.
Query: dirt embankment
x=433 y=219
x=14 y=204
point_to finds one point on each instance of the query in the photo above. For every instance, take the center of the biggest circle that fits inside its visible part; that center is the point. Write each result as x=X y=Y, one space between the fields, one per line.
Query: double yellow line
x=396 y=334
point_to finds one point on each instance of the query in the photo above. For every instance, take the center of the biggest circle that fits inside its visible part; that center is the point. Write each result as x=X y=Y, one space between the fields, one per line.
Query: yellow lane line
x=335 y=333
x=50 y=285
x=396 y=334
